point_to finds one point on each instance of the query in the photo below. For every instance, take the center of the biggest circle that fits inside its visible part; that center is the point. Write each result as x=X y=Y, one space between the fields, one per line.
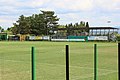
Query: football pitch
x=15 y=60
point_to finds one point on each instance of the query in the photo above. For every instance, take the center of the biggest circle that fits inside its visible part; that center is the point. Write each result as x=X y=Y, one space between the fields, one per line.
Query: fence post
x=95 y=62
x=33 y=63
x=118 y=59
x=67 y=62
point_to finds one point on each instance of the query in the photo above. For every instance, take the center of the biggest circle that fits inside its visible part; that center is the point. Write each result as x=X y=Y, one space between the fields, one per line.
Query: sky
x=96 y=12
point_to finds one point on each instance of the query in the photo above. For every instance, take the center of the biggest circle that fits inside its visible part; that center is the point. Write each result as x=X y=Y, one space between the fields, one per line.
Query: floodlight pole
x=33 y=63
x=67 y=62
x=95 y=62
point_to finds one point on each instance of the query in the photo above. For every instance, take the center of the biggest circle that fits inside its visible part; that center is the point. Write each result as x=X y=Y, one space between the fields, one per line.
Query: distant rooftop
x=102 y=28
x=82 y=28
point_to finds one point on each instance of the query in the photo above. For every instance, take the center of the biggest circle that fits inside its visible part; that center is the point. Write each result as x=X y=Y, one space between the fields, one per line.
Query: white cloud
x=71 y=4
x=37 y=3
x=108 y=5
x=96 y=12
x=2 y=20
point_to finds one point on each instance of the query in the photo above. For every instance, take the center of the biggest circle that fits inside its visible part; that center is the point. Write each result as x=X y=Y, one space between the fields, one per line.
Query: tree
x=50 y=22
x=69 y=29
x=76 y=24
x=8 y=29
x=37 y=24
x=21 y=26
x=87 y=25
x=82 y=24
x=1 y=29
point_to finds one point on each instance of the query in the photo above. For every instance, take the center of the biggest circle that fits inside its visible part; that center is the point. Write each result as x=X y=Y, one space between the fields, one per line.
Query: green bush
x=118 y=37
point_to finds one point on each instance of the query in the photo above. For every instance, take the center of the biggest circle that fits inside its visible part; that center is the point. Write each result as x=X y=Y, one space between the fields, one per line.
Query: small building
x=102 y=31
x=93 y=33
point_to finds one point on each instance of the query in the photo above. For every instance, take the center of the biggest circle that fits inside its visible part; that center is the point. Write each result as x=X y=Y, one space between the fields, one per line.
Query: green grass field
x=15 y=60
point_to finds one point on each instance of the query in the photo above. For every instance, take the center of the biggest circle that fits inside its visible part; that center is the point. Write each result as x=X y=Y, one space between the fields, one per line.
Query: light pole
x=108 y=22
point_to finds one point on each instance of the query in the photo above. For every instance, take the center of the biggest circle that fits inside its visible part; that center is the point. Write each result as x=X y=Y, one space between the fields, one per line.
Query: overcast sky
x=96 y=12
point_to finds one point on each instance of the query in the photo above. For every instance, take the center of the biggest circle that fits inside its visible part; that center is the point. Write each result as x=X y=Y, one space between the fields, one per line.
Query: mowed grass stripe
x=57 y=65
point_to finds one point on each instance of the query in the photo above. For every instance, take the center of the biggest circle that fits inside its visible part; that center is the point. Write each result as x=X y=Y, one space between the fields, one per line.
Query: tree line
x=44 y=23
x=38 y=24
x=73 y=29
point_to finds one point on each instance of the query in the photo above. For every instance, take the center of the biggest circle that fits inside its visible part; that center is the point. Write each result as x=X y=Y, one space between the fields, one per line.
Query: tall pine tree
x=87 y=25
